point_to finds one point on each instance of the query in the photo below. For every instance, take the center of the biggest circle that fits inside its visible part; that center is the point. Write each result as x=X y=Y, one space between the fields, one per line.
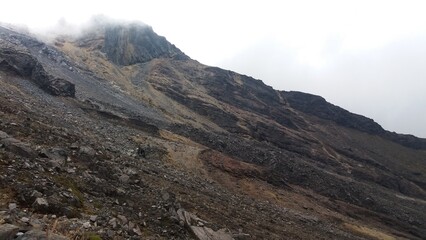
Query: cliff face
x=157 y=145
x=131 y=44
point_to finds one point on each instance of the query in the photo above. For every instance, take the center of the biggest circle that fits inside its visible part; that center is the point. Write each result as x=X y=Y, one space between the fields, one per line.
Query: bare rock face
x=17 y=62
x=135 y=43
x=23 y=64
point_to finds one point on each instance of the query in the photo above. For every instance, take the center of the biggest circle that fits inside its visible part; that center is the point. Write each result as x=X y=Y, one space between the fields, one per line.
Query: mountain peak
x=131 y=43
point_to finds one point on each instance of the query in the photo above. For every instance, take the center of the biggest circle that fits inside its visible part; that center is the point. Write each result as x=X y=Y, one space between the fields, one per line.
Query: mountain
x=117 y=134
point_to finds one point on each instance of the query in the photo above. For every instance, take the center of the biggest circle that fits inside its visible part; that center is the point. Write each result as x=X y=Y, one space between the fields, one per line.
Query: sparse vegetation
x=166 y=145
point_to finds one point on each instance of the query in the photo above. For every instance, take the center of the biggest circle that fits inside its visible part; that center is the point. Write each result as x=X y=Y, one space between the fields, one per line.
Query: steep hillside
x=125 y=136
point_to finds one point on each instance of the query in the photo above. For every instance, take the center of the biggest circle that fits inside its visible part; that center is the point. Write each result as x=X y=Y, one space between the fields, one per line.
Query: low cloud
x=68 y=29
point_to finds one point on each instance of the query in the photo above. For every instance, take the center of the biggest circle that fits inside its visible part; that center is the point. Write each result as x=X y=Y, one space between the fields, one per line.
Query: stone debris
x=16 y=146
x=197 y=226
x=8 y=231
x=12 y=206
x=120 y=166
x=205 y=233
x=137 y=230
x=37 y=234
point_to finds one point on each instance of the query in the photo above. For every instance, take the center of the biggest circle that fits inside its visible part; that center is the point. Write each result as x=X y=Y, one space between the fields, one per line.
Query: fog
x=365 y=56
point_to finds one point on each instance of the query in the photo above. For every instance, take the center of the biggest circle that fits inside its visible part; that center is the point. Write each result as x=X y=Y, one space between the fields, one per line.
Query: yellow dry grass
x=181 y=151
x=369 y=232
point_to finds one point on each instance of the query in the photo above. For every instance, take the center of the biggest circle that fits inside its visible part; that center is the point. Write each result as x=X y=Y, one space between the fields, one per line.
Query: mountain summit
x=117 y=134
x=131 y=44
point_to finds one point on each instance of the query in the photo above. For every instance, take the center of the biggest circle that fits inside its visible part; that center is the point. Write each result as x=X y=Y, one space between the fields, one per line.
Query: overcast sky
x=368 y=57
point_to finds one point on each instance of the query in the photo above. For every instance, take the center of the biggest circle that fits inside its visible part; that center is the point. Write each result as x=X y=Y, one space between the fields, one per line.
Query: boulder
x=60 y=87
x=88 y=151
x=16 y=146
x=205 y=233
x=197 y=227
x=8 y=231
x=41 y=205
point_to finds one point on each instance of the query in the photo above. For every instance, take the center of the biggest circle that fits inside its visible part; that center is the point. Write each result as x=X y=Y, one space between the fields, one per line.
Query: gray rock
x=127 y=45
x=123 y=219
x=93 y=218
x=57 y=156
x=74 y=146
x=8 y=231
x=40 y=235
x=131 y=225
x=124 y=178
x=25 y=65
x=87 y=225
x=113 y=222
x=165 y=196
x=36 y=194
x=188 y=218
x=41 y=204
x=197 y=226
x=137 y=230
x=61 y=87
x=87 y=151
x=205 y=233
x=12 y=206
x=16 y=146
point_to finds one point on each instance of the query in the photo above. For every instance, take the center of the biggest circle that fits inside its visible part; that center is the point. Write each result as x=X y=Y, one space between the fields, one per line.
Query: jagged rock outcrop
x=23 y=64
x=135 y=43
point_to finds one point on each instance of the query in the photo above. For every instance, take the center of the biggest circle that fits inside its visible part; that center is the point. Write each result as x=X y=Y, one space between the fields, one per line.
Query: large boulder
x=60 y=87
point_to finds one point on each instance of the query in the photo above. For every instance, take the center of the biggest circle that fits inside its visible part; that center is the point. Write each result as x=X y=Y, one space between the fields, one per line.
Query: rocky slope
x=117 y=134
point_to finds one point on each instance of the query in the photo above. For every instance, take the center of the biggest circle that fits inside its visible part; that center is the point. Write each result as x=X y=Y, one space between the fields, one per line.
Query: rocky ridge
x=119 y=135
